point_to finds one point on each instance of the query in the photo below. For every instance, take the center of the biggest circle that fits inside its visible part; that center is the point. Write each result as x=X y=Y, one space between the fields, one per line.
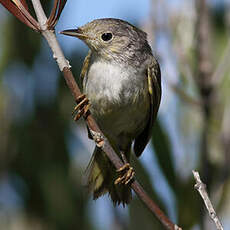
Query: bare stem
x=39 y=12
x=201 y=188
x=95 y=131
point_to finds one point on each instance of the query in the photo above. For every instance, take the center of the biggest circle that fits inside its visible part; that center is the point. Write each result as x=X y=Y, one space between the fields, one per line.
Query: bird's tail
x=101 y=175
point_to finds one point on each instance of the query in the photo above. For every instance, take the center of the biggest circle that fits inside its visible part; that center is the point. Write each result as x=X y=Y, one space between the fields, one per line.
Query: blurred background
x=43 y=153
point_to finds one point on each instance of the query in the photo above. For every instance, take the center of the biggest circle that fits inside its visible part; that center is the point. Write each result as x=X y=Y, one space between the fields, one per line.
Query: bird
x=121 y=82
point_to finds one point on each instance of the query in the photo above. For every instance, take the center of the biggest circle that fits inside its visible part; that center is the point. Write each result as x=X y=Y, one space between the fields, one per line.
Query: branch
x=47 y=30
x=201 y=188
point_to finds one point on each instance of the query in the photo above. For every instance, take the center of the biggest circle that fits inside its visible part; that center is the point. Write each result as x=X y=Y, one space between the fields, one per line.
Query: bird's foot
x=127 y=174
x=82 y=107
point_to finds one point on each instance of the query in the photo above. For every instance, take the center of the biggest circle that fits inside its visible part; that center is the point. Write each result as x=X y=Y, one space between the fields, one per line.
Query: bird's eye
x=106 y=36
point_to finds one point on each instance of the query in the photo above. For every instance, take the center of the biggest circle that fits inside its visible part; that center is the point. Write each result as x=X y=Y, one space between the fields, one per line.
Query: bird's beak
x=75 y=33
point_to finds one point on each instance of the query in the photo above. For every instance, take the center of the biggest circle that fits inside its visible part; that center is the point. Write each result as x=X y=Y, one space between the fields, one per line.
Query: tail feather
x=101 y=175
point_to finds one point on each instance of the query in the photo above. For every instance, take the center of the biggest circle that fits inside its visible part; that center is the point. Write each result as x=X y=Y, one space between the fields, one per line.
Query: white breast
x=118 y=96
x=105 y=81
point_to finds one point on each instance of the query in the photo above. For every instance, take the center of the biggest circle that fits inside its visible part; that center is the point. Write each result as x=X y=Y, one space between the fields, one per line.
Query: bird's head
x=110 y=37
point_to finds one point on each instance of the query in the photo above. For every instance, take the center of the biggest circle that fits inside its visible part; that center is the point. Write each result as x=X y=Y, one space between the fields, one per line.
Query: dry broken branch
x=201 y=188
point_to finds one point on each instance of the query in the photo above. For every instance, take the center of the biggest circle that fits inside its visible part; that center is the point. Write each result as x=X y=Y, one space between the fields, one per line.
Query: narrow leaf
x=19 y=10
x=53 y=13
x=26 y=13
x=56 y=12
x=61 y=7
x=24 y=4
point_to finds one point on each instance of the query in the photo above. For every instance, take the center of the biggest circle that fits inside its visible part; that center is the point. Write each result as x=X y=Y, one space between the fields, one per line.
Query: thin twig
x=99 y=138
x=201 y=188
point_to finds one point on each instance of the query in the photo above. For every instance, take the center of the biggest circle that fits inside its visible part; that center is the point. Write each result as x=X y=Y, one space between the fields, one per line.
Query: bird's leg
x=126 y=171
x=82 y=107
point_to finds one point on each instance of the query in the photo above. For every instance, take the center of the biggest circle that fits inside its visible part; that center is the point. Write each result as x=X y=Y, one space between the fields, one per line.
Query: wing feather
x=154 y=86
x=83 y=75
x=85 y=66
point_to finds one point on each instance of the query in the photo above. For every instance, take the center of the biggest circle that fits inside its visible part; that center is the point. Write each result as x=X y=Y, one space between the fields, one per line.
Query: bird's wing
x=83 y=74
x=85 y=66
x=154 y=86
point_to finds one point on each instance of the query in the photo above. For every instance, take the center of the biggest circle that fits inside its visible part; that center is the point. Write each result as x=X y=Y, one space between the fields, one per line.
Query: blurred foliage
x=19 y=48
x=36 y=158
x=144 y=216
x=164 y=155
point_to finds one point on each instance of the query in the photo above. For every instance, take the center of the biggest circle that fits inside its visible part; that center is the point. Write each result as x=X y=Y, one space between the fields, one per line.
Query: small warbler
x=122 y=81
